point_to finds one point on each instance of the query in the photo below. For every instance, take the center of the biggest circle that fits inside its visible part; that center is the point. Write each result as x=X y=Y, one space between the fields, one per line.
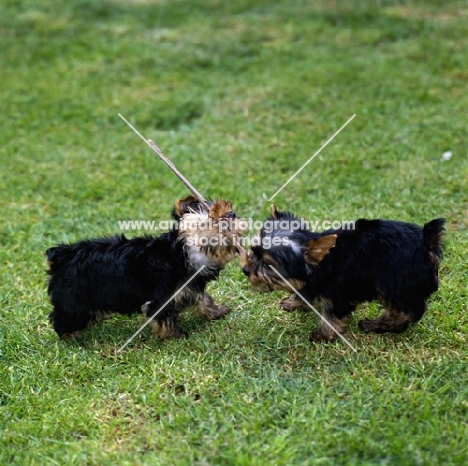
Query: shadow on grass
x=117 y=329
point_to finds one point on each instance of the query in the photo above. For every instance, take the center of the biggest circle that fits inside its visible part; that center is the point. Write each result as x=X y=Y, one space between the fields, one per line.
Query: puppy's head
x=190 y=205
x=284 y=252
x=212 y=234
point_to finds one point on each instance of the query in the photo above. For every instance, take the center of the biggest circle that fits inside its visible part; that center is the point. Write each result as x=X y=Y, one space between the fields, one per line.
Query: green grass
x=239 y=95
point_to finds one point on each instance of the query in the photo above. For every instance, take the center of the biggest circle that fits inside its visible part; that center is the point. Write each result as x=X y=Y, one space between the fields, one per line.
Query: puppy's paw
x=163 y=329
x=319 y=337
x=291 y=304
x=385 y=324
x=366 y=325
x=180 y=334
x=217 y=312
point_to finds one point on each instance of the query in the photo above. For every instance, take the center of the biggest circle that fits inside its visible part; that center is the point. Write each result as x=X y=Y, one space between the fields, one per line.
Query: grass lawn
x=239 y=94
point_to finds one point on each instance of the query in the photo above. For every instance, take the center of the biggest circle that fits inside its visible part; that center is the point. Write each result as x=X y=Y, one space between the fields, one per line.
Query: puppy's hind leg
x=396 y=318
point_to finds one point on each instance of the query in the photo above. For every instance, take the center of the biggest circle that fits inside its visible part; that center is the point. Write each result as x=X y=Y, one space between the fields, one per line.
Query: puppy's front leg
x=165 y=324
x=206 y=307
x=292 y=303
x=336 y=319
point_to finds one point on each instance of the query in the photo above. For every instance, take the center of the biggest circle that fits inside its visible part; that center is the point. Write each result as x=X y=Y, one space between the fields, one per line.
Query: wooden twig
x=169 y=164
x=181 y=177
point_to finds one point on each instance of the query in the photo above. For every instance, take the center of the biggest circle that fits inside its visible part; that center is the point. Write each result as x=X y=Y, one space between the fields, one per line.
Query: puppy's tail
x=433 y=234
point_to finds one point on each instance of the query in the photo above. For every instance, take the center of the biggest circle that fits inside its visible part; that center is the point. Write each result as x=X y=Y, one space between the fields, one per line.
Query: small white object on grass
x=447 y=155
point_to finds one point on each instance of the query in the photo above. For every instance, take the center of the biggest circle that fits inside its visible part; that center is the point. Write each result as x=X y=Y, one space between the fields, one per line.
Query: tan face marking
x=262 y=277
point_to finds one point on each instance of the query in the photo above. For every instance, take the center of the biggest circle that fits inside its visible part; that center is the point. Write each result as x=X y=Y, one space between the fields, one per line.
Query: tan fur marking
x=244 y=258
x=163 y=329
x=207 y=308
x=102 y=315
x=220 y=209
x=317 y=249
x=269 y=260
x=292 y=303
x=274 y=211
x=325 y=333
x=392 y=320
x=73 y=335
x=187 y=297
x=270 y=281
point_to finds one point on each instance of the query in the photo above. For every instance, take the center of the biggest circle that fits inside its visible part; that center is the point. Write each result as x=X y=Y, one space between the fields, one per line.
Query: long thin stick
x=179 y=175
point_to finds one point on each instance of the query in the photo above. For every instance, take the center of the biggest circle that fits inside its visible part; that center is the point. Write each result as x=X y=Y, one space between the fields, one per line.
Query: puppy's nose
x=230 y=215
x=246 y=270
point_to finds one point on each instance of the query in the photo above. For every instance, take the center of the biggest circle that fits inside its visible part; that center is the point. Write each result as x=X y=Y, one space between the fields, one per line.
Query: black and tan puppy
x=92 y=278
x=393 y=262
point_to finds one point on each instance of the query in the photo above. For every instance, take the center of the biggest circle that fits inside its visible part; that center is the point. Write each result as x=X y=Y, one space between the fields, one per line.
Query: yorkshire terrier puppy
x=93 y=278
x=393 y=262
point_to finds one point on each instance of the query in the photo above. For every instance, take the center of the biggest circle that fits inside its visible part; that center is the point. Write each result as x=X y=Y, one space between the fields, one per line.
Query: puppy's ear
x=274 y=211
x=317 y=249
x=222 y=209
x=182 y=206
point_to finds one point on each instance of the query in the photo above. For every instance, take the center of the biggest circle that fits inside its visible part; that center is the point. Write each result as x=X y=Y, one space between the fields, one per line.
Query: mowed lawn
x=239 y=94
